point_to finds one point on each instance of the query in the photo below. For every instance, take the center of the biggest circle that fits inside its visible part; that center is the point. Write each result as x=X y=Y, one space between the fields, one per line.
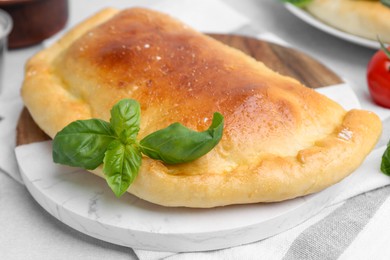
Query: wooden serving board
x=286 y=61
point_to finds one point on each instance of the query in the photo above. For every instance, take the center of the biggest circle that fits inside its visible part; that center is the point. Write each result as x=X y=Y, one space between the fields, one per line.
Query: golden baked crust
x=281 y=140
x=365 y=18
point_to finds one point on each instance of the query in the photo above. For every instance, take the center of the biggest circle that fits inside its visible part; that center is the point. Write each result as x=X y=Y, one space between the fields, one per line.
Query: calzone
x=281 y=139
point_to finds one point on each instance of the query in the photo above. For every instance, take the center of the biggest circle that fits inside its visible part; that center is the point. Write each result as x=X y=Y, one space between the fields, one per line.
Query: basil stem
x=178 y=144
x=384 y=49
x=121 y=166
x=82 y=143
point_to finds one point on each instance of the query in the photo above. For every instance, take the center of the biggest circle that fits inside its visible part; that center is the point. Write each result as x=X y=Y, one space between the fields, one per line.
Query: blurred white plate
x=308 y=18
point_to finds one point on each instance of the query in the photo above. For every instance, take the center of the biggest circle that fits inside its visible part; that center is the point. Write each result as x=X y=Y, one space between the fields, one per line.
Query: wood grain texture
x=27 y=131
x=286 y=61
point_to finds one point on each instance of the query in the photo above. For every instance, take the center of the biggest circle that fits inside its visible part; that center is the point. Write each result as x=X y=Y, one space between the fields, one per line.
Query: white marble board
x=84 y=202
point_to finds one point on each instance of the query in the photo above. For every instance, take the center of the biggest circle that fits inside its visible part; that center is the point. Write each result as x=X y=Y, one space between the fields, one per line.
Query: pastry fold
x=281 y=139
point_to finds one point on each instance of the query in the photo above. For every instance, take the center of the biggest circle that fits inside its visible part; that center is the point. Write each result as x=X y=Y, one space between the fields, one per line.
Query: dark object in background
x=5 y=29
x=34 y=20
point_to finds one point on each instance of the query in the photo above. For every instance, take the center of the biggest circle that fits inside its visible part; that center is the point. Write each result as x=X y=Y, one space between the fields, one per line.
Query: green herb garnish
x=385 y=164
x=386 y=2
x=89 y=143
x=299 y=3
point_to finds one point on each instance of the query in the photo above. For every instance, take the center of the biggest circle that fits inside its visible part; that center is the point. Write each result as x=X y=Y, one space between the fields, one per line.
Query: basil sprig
x=89 y=143
x=299 y=3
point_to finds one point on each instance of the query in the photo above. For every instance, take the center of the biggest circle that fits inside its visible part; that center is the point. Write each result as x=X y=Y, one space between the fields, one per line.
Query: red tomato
x=378 y=77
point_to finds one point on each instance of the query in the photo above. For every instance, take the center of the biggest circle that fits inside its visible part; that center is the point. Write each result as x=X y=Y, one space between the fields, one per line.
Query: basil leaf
x=385 y=164
x=125 y=119
x=178 y=144
x=299 y=3
x=121 y=166
x=386 y=2
x=82 y=143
